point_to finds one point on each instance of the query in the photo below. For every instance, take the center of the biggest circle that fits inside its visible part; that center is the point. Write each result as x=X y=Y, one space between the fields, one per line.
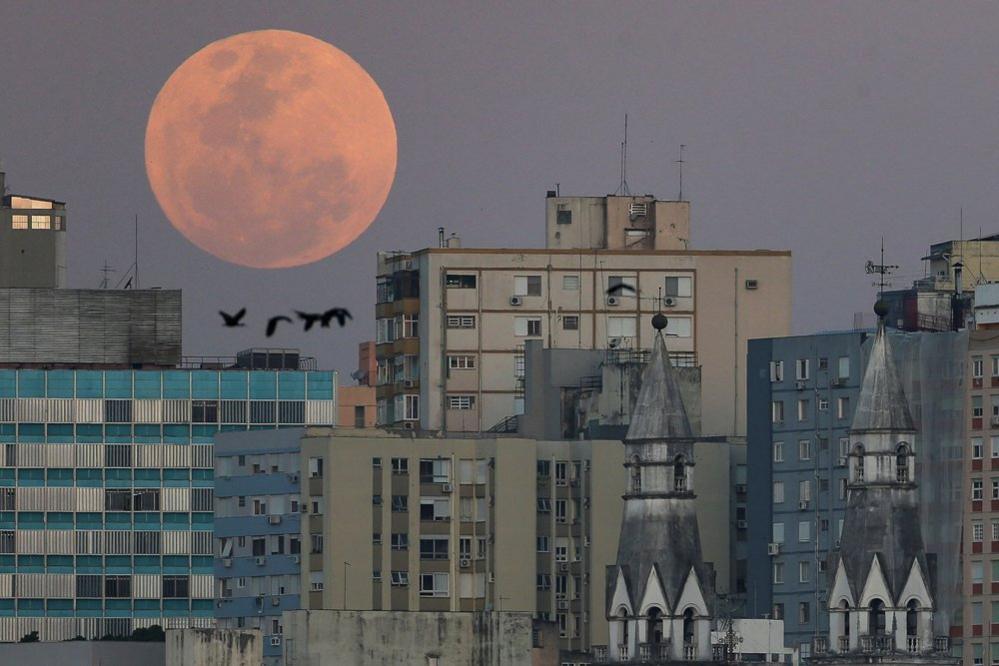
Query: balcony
x=689 y=652
x=653 y=652
x=876 y=643
x=680 y=484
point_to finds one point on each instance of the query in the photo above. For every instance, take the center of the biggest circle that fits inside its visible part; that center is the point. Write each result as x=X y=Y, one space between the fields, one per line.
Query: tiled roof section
x=882 y=405
x=659 y=413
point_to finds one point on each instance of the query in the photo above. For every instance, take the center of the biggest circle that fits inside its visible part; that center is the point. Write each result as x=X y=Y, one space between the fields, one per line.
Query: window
x=803 y=409
x=570 y=282
x=435 y=508
x=19 y=222
x=976 y=489
x=542 y=544
x=776 y=371
x=561 y=550
x=411 y=407
x=176 y=587
x=433 y=548
x=563 y=216
x=315 y=468
x=400 y=541
x=400 y=578
x=376 y=463
x=316 y=581
x=804 y=615
x=410 y=326
x=995 y=447
x=456 y=281
x=570 y=322
x=777 y=411
x=843 y=370
x=804 y=571
x=976 y=406
x=317 y=543
x=778 y=532
x=977 y=531
x=560 y=510
x=317 y=504
x=435 y=470
x=805 y=490
x=995 y=366
x=400 y=465
x=995 y=530
x=778 y=573
x=527 y=285
x=621 y=327
x=995 y=489
x=677 y=286
x=527 y=326
x=118 y=586
x=804 y=531
x=778 y=451
x=844 y=447
x=433 y=585
x=778 y=492
x=823 y=404
x=976 y=448
x=463 y=402
x=977 y=367
x=544 y=581
x=842 y=408
x=460 y=321
x=804 y=449
x=544 y=505
x=400 y=503
x=801 y=369
x=460 y=362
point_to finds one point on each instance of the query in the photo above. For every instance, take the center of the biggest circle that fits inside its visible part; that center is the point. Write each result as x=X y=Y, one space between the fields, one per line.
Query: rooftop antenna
x=623 y=187
x=136 y=251
x=106 y=270
x=680 y=165
x=881 y=270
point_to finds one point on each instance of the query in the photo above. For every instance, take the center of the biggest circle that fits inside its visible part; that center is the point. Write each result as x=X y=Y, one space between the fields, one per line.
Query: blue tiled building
x=801 y=394
x=107 y=484
x=257 y=531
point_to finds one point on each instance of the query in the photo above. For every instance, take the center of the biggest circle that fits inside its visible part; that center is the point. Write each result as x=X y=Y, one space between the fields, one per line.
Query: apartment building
x=476 y=523
x=802 y=392
x=452 y=322
x=106 y=490
x=32 y=240
x=258 y=532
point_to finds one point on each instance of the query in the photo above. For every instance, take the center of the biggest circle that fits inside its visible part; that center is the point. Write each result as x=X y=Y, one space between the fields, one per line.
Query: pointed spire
x=882 y=405
x=659 y=412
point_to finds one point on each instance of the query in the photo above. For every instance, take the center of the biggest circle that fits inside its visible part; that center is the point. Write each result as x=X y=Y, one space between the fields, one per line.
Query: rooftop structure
x=32 y=241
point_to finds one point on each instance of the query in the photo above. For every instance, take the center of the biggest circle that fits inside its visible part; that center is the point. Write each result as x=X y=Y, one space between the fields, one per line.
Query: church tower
x=881 y=599
x=660 y=591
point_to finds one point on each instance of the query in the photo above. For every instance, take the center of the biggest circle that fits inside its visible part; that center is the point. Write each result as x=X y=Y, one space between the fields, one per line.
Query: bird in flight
x=273 y=322
x=232 y=321
x=340 y=314
x=620 y=286
x=309 y=318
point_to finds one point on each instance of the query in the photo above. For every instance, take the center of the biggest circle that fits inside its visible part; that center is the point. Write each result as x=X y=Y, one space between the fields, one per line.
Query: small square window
x=570 y=322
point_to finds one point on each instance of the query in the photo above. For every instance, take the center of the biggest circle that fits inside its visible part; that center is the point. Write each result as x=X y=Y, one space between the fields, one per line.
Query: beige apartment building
x=452 y=321
x=393 y=522
x=981 y=516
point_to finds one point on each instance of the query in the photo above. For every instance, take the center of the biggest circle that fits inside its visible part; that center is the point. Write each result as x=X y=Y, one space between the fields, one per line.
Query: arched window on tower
x=876 y=618
x=655 y=626
x=636 y=474
x=689 y=635
x=902 y=463
x=912 y=626
x=680 y=474
x=844 y=640
x=858 y=451
x=623 y=619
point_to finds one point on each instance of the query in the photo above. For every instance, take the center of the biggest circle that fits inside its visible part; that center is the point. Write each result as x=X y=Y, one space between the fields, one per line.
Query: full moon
x=270 y=149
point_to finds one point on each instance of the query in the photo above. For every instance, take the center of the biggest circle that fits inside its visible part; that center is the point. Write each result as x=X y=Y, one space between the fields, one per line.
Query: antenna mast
x=623 y=187
x=881 y=270
x=680 y=165
x=136 y=250
x=106 y=271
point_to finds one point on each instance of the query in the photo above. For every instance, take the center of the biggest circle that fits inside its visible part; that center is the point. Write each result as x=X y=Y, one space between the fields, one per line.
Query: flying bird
x=620 y=286
x=309 y=318
x=340 y=314
x=232 y=321
x=273 y=322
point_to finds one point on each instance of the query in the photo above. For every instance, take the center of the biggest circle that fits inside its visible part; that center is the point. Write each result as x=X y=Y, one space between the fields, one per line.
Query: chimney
x=958 y=271
x=440 y=237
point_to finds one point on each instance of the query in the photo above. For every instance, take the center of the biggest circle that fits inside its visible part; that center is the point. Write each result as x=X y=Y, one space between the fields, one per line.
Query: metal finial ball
x=881 y=309
x=659 y=321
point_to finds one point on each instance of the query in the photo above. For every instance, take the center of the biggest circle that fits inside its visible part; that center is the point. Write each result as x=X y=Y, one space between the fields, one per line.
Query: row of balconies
x=650 y=653
x=883 y=643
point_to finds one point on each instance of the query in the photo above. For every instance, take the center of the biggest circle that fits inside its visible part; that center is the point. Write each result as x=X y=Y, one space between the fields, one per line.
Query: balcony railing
x=913 y=644
x=622 y=652
x=876 y=643
x=601 y=655
x=844 y=643
x=689 y=651
x=820 y=644
x=680 y=484
x=649 y=652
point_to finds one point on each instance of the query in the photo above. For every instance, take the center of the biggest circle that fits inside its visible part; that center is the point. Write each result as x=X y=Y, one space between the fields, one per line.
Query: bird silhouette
x=620 y=286
x=273 y=322
x=340 y=314
x=309 y=318
x=231 y=321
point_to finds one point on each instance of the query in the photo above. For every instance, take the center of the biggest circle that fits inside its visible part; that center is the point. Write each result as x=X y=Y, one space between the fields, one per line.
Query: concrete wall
x=376 y=638
x=84 y=653
x=349 y=397
x=213 y=647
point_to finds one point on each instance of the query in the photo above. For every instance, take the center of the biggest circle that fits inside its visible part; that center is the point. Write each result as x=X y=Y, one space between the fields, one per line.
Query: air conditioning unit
x=800 y=385
x=752 y=284
x=995 y=421
x=803 y=505
x=773 y=549
x=563 y=567
x=516 y=300
x=669 y=301
x=842 y=461
x=464 y=563
x=273 y=520
x=492 y=577
x=562 y=604
x=613 y=300
x=227 y=562
x=586 y=542
x=446 y=488
x=408 y=425
x=261 y=561
x=275 y=601
x=409 y=383
x=275 y=640
x=296 y=559
x=741 y=524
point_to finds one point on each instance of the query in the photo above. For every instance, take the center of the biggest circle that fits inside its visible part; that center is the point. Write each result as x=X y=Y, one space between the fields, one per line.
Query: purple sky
x=811 y=126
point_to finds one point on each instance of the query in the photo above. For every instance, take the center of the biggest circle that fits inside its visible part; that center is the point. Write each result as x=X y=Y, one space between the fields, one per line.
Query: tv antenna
x=881 y=270
x=623 y=189
x=679 y=163
x=106 y=272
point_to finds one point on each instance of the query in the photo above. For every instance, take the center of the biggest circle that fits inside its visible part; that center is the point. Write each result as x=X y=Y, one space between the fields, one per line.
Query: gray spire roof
x=882 y=405
x=659 y=412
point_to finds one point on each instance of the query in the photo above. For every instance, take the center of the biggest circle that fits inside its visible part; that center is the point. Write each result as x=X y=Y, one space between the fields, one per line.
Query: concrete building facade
x=32 y=241
x=452 y=322
x=106 y=490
